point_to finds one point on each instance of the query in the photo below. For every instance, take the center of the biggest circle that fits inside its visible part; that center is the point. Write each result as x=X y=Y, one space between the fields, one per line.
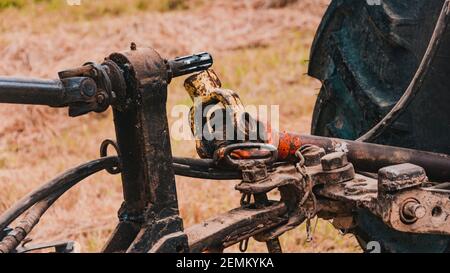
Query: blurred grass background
x=260 y=52
x=91 y=9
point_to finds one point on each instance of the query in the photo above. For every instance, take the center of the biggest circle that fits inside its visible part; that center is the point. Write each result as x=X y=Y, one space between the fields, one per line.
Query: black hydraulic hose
x=60 y=184
x=213 y=174
x=196 y=168
x=36 y=203
x=418 y=80
x=194 y=162
x=202 y=168
x=31 y=218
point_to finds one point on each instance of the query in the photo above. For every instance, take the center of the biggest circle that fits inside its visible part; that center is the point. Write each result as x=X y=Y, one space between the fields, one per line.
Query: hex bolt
x=88 y=88
x=334 y=161
x=101 y=99
x=133 y=46
x=412 y=211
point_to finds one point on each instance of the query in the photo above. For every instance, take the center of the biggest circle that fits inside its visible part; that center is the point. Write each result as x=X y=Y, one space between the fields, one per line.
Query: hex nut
x=399 y=177
x=313 y=158
x=334 y=161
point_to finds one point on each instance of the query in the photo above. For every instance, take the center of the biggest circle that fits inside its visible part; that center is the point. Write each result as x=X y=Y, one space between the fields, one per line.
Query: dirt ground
x=260 y=52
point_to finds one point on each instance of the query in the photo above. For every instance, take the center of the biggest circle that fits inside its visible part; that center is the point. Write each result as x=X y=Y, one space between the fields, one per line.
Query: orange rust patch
x=288 y=145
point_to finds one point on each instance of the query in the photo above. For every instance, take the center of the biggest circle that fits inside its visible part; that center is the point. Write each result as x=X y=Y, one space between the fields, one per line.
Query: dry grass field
x=260 y=52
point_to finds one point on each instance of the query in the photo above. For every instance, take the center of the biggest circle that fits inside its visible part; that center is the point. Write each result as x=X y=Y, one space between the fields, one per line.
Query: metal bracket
x=144 y=143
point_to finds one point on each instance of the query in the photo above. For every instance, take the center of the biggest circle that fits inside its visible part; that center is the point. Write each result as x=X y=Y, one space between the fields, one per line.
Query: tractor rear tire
x=365 y=56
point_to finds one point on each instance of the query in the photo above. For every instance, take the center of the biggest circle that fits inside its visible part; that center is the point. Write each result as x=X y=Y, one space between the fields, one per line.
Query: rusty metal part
x=235 y=226
x=201 y=84
x=411 y=211
x=315 y=175
x=283 y=175
x=288 y=144
x=320 y=176
x=205 y=89
x=414 y=208
x=359 y=191
x=149 y=216
x=258 y=182
x=257 y=153
x=399 y=177
x=405 y=206
x=416 y=211
x=296 y=183
x=206 y=95
x=312 y=155
x=334 y=176
x=330 y=209
x=273 y=244
x=372 y=157
x=109 y=87
x=254 y=171
x=334 y=161
x=294 y=220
